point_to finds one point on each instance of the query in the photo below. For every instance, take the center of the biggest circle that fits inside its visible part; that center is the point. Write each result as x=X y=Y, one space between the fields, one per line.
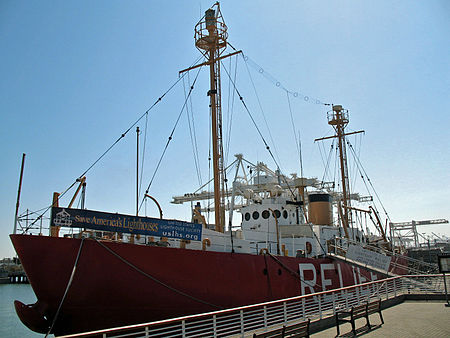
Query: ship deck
x=407 y=319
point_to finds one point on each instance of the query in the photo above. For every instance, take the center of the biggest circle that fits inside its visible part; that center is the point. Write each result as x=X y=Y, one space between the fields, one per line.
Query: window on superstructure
x=285 y=214
x=277 y=213
x=255 y=215
x=247 y=216
x=265 y=214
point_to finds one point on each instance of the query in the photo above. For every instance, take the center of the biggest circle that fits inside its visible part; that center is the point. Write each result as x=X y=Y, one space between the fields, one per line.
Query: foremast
x=211 y=39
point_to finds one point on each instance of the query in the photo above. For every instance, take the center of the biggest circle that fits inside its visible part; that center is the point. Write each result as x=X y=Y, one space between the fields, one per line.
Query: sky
x=75 y=75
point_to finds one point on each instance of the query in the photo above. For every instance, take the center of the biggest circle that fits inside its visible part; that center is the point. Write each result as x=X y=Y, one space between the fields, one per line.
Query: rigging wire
x=360 y=167
x=336 y=166
x=191 y=134
x=262 y=111
x=300 y=153
x=231 y=93
x=293 y=129
x=327 y=167
x=194 y=131
x=260 y=134
x=268 y=76
x=143 y=154
x=170 y=136
x=46 y=209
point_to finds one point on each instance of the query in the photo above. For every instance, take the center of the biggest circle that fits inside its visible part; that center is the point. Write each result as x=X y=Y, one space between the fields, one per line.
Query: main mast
x=338 y=118
x=211 y=39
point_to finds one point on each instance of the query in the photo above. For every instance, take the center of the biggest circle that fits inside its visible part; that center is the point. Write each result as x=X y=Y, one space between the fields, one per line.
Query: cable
x=120 y=138
x=170 y=137
x=268 y=76
x=260 y=134
x=192 y=135
x=155 y=279
x=67 y=288
x=294 y=273
x=143 y=154
x=262 y=112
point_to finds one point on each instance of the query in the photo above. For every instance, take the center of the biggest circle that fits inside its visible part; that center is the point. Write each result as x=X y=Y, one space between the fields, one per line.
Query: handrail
x=412 y=265
x=260 y=316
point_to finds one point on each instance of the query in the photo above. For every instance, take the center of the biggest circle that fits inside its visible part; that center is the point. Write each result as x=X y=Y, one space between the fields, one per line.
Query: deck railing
x=241 y=321
x=398 y=261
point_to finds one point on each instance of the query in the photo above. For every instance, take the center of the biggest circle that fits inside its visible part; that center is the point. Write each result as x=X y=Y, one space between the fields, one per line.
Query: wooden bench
x=292 y=331
x=374 y=307
x=297 y=330
x=356 y=312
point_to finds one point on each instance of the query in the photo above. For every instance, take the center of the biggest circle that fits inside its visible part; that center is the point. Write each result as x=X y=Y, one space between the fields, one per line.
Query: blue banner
x=102 y=221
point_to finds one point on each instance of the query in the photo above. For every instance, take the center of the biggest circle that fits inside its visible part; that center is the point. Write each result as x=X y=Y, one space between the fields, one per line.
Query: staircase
x=399 y=264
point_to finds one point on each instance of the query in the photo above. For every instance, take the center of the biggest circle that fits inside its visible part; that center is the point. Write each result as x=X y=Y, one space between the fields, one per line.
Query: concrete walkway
x=408 y=319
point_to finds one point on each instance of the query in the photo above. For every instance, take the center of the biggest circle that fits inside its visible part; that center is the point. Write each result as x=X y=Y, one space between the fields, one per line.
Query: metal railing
x=400 y=262
x=242 y=320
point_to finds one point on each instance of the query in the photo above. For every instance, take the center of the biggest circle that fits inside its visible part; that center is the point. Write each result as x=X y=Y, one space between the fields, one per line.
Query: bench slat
x=356 y=312
x=269 y=334
x=297 y=330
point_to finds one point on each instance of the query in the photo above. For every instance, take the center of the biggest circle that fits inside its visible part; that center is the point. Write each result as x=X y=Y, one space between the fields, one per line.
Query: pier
x=18 y=278
x=409 y=303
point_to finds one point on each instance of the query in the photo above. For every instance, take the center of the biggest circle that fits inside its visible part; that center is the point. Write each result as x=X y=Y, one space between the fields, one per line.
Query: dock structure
x=402 y=301
x=18 y=278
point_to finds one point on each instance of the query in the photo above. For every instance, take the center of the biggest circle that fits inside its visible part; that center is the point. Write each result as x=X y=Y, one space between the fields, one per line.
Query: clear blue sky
x=76 y=74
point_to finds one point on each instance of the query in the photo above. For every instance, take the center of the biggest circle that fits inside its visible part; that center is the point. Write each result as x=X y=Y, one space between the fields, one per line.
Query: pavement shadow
x=360 y=331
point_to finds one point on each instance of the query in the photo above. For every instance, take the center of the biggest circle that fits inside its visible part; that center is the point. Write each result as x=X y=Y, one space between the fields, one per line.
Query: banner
x=102 y=221
x=367 y=257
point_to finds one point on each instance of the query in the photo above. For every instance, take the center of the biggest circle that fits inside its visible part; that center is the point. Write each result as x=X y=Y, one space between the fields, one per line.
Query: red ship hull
x=145 y=283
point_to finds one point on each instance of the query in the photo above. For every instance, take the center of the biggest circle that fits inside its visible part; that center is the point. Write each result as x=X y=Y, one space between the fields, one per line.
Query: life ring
x=308 y=247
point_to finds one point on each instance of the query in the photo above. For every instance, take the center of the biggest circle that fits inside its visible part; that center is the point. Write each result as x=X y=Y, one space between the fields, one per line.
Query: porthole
x=255 y=215
x=247 y=216
x=285 y=214
x=277 y=213
x=265 y=214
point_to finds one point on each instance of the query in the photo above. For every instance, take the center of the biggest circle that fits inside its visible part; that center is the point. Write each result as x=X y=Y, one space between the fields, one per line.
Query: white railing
x=242 y=320
x=404 y=263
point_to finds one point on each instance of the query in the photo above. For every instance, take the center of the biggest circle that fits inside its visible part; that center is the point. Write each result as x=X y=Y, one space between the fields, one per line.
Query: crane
x=411 y=228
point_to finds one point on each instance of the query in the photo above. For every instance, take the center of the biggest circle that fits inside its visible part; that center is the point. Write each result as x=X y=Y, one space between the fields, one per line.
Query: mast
x=210 y=39
x=18 y=194
x=137 y=171
x=338 y=118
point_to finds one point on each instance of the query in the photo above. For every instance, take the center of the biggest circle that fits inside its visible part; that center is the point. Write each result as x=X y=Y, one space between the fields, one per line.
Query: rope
x=297 y=140
x=292 y=272
x=117 y=141
x=260 y=134
x=358 y=162
x=268 y=76
x=262 y=111
x=170 y=137
x=155 y=279
x=192 y=133
x=231 y=97
x=67 y=288
x=143 y=154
